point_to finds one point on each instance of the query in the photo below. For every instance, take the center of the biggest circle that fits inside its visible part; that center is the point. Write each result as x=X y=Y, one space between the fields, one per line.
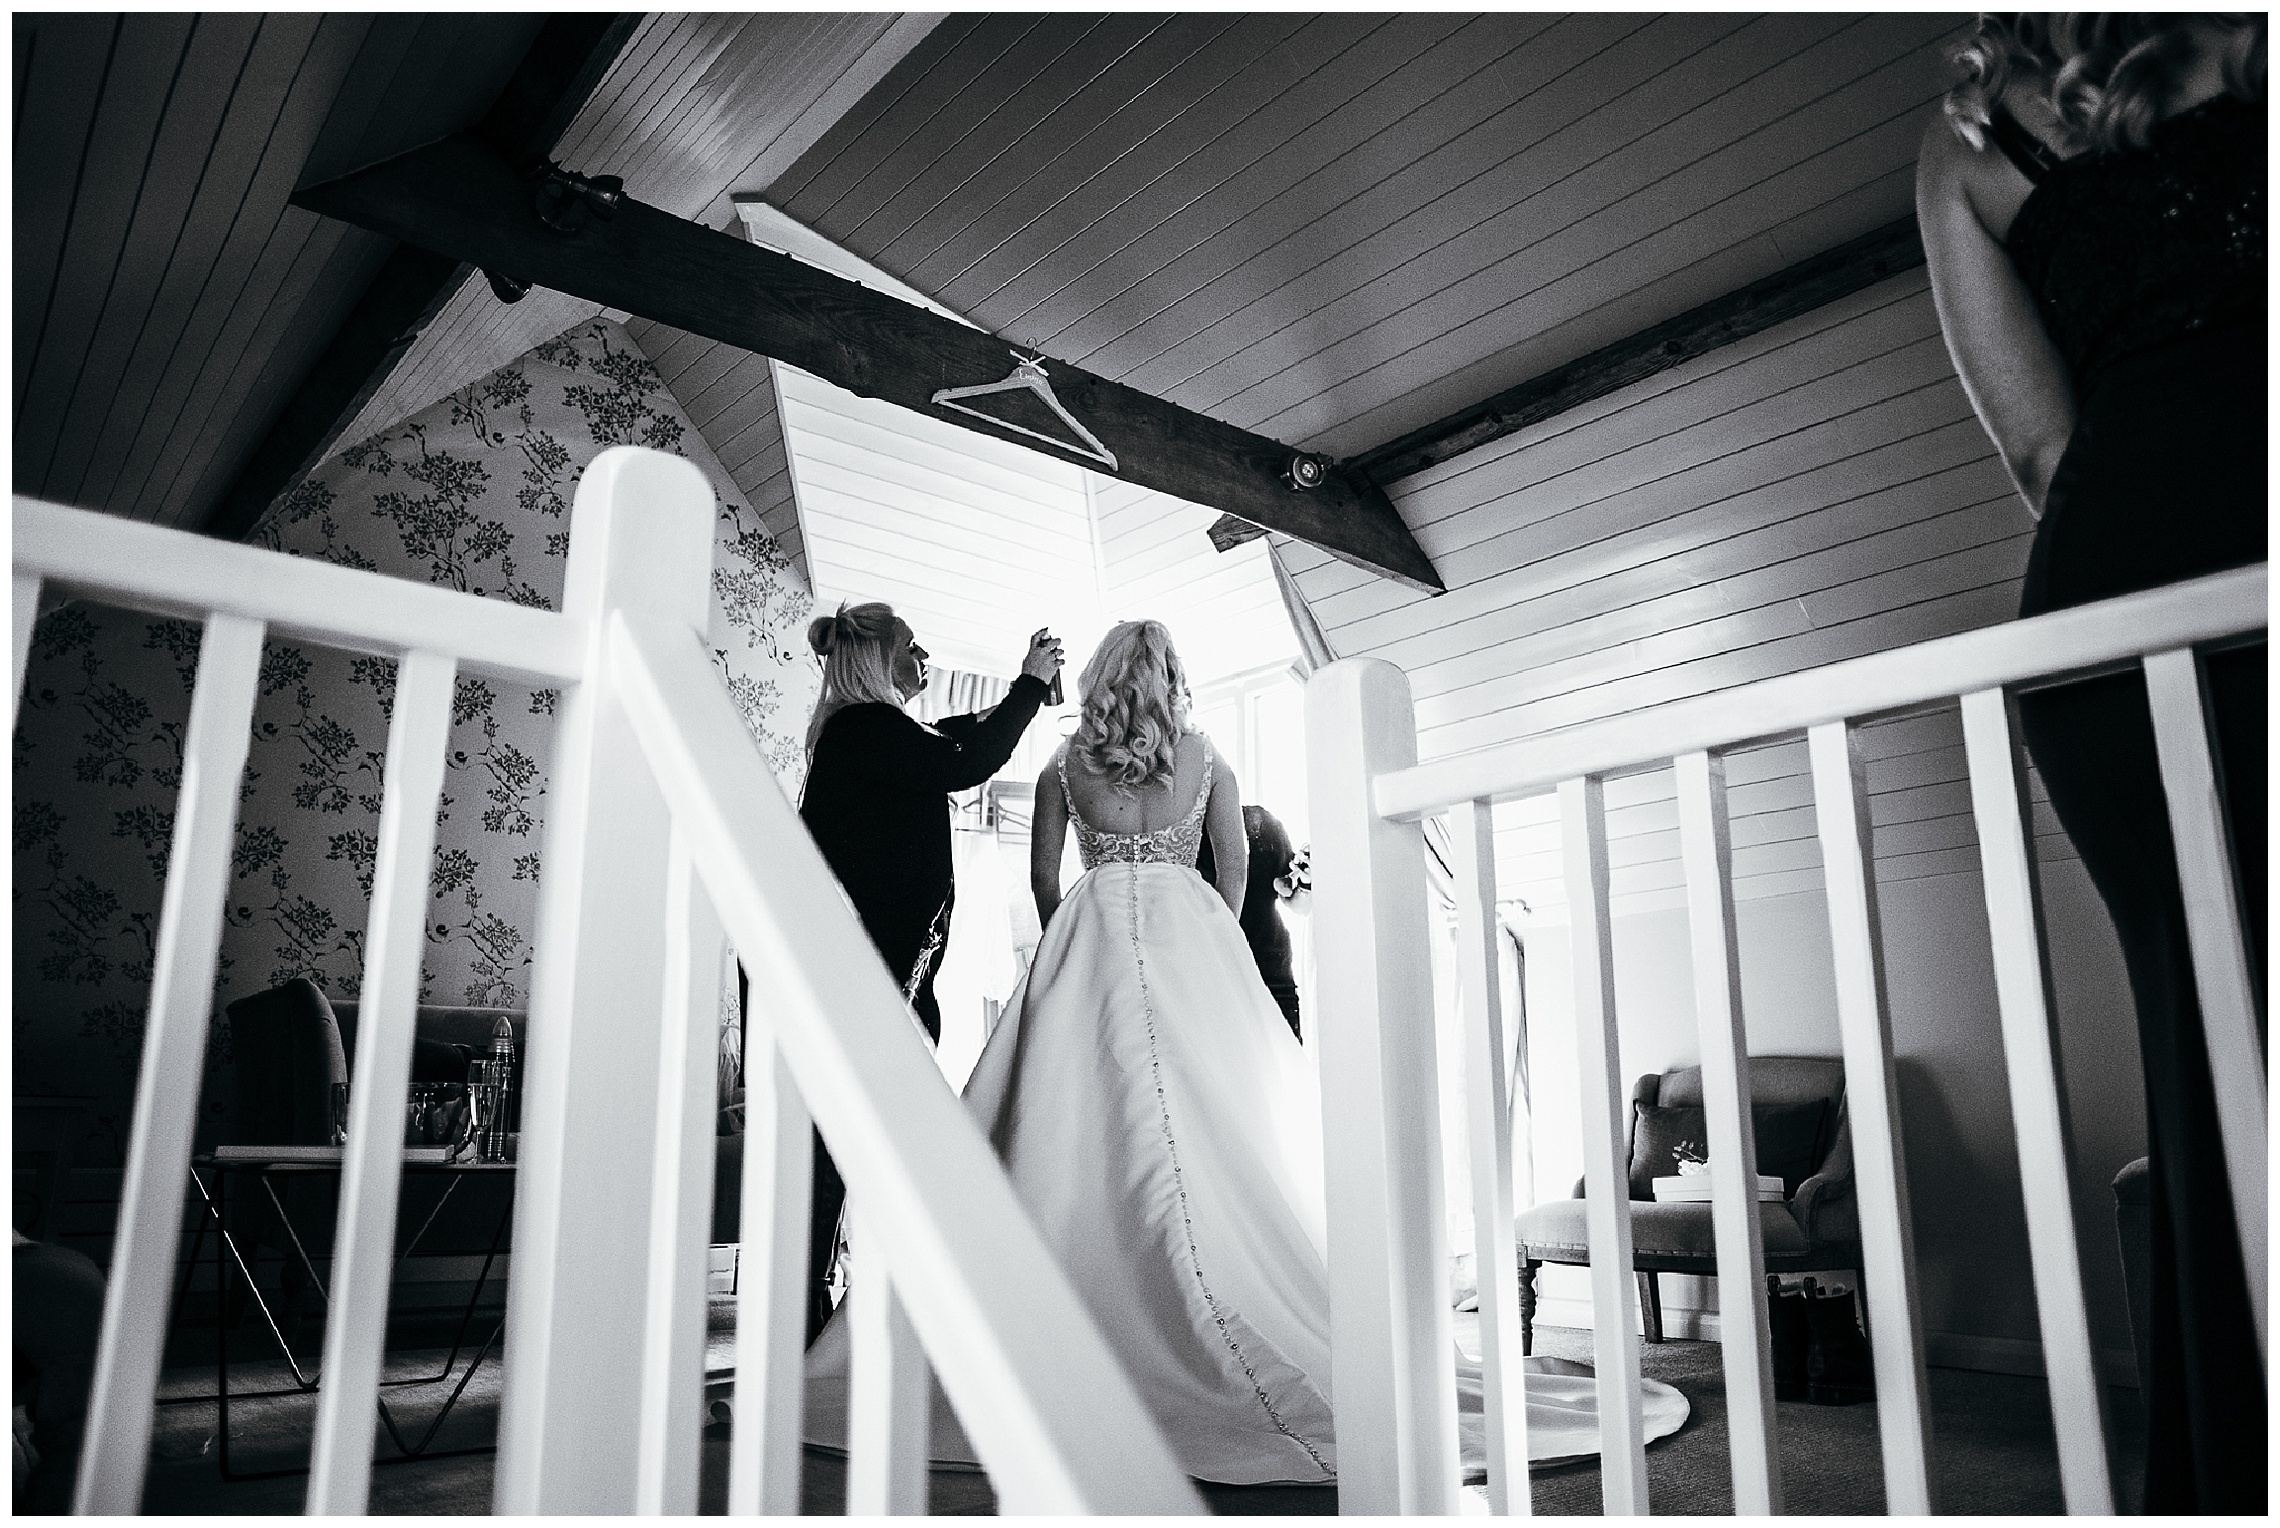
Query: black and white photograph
x=1081 y=762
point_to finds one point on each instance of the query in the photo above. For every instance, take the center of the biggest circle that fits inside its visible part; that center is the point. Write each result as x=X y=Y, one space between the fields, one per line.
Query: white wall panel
x=1816 y=491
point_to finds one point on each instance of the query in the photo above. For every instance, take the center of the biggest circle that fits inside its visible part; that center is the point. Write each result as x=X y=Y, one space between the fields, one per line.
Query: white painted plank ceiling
x=1810 y=494
x=1336 y=228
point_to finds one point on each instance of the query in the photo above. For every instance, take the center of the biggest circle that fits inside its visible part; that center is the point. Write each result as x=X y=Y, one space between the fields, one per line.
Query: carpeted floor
x=1992 y=1449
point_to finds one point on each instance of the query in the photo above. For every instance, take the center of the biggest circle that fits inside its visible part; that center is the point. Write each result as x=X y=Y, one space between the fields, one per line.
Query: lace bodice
x=1177 y=844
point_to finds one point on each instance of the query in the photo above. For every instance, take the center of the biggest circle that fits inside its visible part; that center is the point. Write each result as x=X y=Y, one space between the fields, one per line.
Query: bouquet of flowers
x=1298 y=880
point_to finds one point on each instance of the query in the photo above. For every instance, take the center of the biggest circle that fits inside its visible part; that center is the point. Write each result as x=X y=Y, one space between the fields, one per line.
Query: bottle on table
x=503 y=1075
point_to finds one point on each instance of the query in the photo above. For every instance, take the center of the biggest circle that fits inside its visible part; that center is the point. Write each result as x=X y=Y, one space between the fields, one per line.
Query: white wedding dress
x=1162 y=1126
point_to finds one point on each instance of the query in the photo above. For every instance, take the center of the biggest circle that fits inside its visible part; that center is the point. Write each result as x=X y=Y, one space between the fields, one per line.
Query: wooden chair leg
x=1650 y=1306
x=1527 y=1308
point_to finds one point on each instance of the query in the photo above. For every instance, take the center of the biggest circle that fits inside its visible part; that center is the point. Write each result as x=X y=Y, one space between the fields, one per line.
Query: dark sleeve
x=958 y=753
x=1271 y=852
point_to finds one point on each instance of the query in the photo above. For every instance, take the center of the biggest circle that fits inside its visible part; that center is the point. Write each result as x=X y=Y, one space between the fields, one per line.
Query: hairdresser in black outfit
x=2092 y=206
x=876 y=804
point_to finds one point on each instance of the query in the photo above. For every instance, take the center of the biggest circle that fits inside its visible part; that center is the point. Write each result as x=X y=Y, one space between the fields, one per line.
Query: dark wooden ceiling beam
x=1786 y=294
x=461 y=199
x=559 y=71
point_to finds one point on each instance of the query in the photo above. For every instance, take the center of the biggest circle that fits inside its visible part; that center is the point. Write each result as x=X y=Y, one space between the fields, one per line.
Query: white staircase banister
x=1041 y=1393
x=2062 y=642
x=117 y=561
x=2163 y=633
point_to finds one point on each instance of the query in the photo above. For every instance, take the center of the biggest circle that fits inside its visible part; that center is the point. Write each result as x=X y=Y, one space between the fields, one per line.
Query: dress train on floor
x=1163 y=1129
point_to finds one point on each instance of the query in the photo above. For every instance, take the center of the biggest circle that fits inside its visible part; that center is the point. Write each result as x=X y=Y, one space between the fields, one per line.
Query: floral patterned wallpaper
x=473 y=493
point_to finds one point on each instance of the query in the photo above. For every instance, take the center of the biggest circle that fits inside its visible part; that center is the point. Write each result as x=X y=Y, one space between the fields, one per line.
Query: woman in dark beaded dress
x=2092 y=205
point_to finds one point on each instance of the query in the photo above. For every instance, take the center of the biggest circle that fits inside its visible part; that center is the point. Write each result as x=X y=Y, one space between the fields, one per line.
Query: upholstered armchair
x=1815 y=1227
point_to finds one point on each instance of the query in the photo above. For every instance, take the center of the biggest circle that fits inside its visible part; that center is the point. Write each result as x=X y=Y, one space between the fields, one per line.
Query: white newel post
x=1393 y=1385
x=570 y=1418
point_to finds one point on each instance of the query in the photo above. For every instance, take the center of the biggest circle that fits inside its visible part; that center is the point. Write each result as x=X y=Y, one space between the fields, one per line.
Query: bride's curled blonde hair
x=1135 y=698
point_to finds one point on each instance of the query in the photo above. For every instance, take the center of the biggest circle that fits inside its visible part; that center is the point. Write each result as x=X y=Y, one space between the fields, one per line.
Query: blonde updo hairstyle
x=1135 y=697
x=855 y=646
x=2108 y=75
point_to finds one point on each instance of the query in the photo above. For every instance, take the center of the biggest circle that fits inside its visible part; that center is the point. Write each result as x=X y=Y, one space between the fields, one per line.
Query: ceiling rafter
x=461 y=199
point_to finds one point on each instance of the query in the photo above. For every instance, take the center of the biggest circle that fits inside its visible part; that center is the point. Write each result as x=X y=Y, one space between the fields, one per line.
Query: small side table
x=268 y=1172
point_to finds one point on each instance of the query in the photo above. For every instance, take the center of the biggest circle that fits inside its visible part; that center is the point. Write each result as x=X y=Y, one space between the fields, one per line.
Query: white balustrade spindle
x=1706 y=848
x=1872 y=1103
x=1606 y=1154
x=2221 y=976
x=364 y=1255
x=887 y=1387
x=2038 y=1108
x=1504 y=1380
x=138 y=1293
x=771 y=1290
x=680 y=1195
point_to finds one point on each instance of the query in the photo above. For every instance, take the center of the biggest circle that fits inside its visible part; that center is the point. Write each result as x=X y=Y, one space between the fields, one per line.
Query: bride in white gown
x=1159 y=1121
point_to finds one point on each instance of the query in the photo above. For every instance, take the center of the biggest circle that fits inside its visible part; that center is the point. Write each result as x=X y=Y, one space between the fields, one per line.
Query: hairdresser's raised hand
x=1043 y=660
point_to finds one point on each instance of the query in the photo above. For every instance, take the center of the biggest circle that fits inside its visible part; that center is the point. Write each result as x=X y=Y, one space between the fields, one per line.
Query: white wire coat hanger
x=1029 y=376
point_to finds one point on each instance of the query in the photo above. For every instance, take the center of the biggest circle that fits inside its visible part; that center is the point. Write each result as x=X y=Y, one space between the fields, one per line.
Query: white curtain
x=955 y=692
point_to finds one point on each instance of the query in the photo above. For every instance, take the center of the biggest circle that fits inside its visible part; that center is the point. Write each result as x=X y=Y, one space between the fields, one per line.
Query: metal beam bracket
x=568 y=201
